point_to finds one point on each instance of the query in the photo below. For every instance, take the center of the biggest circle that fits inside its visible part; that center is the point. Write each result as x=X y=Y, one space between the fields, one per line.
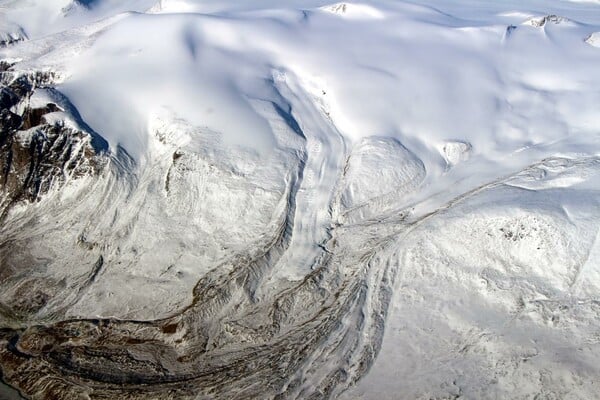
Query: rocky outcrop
x=11 y=34
x=540 y=22
x=593 y=39
x=38 y=153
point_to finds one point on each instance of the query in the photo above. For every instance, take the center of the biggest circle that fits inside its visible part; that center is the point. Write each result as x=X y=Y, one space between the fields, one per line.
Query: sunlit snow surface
x=447 y=205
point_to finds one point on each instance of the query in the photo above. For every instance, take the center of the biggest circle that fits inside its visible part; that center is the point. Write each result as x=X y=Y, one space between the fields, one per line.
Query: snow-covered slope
x=299 y=199
x=497 y=295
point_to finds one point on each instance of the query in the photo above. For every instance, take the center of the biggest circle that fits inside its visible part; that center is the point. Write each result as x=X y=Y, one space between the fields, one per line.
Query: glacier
x=300 y=199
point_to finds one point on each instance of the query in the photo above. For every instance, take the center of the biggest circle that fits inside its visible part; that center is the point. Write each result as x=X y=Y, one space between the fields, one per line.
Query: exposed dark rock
x=541 y=22
x=8 y=98
x=33 y=117
x=15 y=35
x=5 y=65
x=510 y=29
x=37 y=155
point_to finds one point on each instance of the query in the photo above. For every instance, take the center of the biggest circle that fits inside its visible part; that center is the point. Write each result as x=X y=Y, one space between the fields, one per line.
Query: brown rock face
x=36 y=155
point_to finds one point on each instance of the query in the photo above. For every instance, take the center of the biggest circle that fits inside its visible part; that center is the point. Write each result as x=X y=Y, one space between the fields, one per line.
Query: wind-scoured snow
x=367 y=199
